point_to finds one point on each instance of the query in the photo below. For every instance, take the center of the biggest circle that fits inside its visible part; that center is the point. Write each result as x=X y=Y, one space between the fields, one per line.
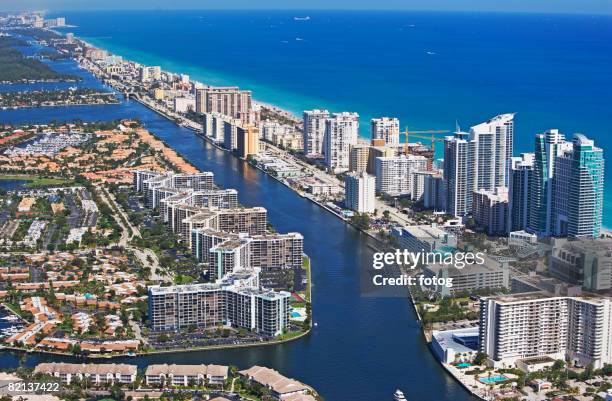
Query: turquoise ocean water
x=429 y=69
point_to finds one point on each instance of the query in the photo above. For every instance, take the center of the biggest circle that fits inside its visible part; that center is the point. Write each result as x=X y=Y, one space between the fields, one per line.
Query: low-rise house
x=81 y=322
x=540 y=384
x=27 y=337
x=530 y=365
x=110 y=346
x=112 y=323
x=183 y=375
x=56 y=344
x=281 y=387
x=96 y=373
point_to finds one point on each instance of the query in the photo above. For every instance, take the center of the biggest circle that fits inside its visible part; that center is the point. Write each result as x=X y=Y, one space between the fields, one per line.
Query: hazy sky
x=565 y=6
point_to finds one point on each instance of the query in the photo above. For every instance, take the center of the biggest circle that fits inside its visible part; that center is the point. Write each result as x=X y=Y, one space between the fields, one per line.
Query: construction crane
x=432 y=138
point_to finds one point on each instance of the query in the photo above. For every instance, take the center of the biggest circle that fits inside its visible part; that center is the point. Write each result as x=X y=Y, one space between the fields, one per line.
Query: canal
x=363 y=346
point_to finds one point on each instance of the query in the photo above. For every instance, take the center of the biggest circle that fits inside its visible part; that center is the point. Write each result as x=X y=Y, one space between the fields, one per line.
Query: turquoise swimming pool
x=492 y=379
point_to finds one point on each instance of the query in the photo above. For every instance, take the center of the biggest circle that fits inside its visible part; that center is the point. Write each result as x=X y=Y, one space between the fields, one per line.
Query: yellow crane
x=432 y=137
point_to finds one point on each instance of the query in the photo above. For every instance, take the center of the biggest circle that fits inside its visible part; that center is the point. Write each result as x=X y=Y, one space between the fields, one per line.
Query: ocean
x=431 y=70
x=427 y=69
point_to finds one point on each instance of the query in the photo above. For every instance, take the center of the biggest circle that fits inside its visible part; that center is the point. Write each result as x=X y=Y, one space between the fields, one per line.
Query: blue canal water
x=363 y=347
x=65 y=66
x=429 y=70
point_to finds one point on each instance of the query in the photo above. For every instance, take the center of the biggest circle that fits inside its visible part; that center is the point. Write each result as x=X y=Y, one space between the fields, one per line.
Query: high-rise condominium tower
x=386 y=128
x=229 y=101
x=578 y=190
x=567 y=187
x=521 y=172
x=314 y=131
x=360 y=192
x=341 y=133
x=494 y=139
x=477 y=161
x=458 y=173
x=547 y=146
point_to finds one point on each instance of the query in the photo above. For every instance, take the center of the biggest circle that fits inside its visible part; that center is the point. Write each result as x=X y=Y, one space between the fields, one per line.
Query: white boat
x=306 y=18
x=398 y=396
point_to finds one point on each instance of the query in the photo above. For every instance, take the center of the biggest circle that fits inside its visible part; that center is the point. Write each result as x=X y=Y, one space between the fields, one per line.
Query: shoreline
x=156 y=352
x=427 y=339
x=53 y=81
x=32 y=178
x=322 y=205
x=57 y=105
x=164 y=351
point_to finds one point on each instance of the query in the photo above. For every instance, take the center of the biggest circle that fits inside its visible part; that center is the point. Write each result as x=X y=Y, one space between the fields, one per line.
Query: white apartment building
x=494 y=140
x=490 y=275
x=458 y=173
x=230 y=134
x=341 y=133
x=235 y=300
x=490 y=210
x=314 y=131
x=386 y=128
x=477 y=160
x=427 y=187
x=213 y=126
x=184 y=104
x=271 y=129
x=229 y=101
x=536 y=325
x=360 y=192
x=394 y=174
x=150 y=73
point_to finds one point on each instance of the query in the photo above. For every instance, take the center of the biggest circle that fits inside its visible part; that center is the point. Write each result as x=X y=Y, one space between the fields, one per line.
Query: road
x=145 y=256
x=136 y=330
x=394 y=213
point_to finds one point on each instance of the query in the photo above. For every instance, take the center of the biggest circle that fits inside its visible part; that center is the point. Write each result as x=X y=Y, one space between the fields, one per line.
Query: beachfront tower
x=386 y=128
x=360 y=192
x=578 y=190
x=341 y=133
x=314 y=131
x=547 y=146
x=458 y=173
x=521 y=172
x=494 y=140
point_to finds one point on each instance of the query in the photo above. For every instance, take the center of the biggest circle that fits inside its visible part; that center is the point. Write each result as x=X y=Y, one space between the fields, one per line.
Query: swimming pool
x=463 y=365
x=296 y=314
x=492 y=379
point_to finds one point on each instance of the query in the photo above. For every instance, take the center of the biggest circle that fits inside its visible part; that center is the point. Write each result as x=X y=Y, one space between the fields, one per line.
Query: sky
x=562 y=6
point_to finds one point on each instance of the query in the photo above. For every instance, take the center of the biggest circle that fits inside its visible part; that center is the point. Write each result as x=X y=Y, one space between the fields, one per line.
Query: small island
x=18 y=68
x=50 y=98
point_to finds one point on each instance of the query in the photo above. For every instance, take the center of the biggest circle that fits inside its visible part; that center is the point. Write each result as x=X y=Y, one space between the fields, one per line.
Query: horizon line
x=358 y=10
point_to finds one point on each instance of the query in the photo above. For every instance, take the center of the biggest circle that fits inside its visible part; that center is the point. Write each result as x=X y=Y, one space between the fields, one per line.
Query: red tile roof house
x=96 y=373
x=182 y=375
x=281 y=387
